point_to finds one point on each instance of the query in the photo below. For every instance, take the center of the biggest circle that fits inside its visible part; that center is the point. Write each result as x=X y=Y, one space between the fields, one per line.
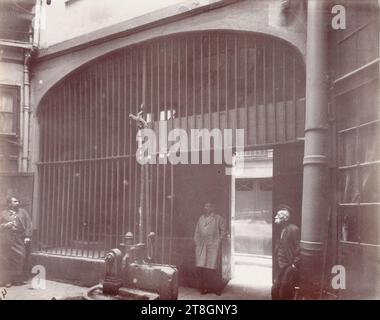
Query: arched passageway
x=88 y=177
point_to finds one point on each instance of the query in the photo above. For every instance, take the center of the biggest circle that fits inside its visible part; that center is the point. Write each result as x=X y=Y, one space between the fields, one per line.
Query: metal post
x=314 y=202
x=26 y=111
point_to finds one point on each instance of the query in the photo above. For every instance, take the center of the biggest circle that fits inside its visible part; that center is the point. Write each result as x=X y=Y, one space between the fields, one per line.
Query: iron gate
x=89 y=180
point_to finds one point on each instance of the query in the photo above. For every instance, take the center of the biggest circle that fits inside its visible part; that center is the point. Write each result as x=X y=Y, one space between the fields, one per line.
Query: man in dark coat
x=287 y=256
x=15 y=232
x=208 y=236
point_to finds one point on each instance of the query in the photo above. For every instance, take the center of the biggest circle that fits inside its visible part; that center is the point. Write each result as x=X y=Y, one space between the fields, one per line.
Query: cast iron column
x=314 y=201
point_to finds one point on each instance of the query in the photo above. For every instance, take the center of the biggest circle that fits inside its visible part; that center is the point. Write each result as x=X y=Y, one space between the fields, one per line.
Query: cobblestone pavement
x=59 y=290
x=249 y=283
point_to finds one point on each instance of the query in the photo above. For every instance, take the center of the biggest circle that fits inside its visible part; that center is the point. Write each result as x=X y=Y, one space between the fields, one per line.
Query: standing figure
x=287 y=256
x=15 y=232
x=209 y=232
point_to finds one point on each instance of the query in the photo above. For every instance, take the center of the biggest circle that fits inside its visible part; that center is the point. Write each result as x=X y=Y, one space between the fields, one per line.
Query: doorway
x=251 y=218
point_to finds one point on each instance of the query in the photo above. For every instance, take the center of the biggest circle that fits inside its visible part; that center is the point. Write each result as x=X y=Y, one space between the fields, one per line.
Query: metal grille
x=89 y=180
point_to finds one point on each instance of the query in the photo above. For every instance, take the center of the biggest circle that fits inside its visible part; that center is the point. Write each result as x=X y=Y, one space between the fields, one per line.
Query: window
x=9 y=109
x=359 y=165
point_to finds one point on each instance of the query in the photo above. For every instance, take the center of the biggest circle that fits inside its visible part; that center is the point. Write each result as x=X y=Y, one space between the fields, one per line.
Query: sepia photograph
x=189 y=150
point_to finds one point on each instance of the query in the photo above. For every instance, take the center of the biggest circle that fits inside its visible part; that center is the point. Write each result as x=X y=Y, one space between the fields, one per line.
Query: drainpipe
x=26 y=112
x=315 y=166
x=37 y=23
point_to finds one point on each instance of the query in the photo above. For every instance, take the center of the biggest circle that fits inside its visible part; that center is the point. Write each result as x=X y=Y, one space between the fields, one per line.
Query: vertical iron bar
x=89 y=212
x=218 y=78
x=74 y=121
x=171 y=211
x=78 y=147
x=73 y=155
x=135 y=108
x=145 y=206
x=111 y=201
x=85 y=174
x=89 y=115
x=152 y=121
x=157 y=211
x=186 y=83
x=236 y=81
x=55 y=130
x=113 y=138
x=163 y=212
x=94 y=107
x=48 y=206
x=209 y=83
x=194 y=100
x=86 y=116
x=117 y=84
x=82 y=152
x=284 y=93
x=83 y=208
x=179 y=83
x=41 y=231
x=246 y=127
x=78 y=209
x=130 y=145
x=125 y=122
x=256 y=126
x=165 y=161
x=81 y=118
x=172 y=126
x=45 y=225
x=64 y=167
x=41 y=168
x=118 y=80
x=226 y=75
x=94 y=209
x=57 y=210
x=264 y=94
x=99 y=81
x=294 y=97
x=101 y=236
x=89 y=112
x=71 y=119
x=62 y=209
x=201 y=89
x=107 y=110
x=62 y=181
x=49 y=214
x=51 y=145
x=106 y=206
x=72 y=208
x=276 y=138
x=99 y=94
x=55 y=199
x=68 y=175
x=46 y=176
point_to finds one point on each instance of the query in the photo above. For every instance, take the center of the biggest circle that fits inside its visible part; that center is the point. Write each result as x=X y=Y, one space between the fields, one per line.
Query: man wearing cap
x=15 y=232
x=287 y=256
